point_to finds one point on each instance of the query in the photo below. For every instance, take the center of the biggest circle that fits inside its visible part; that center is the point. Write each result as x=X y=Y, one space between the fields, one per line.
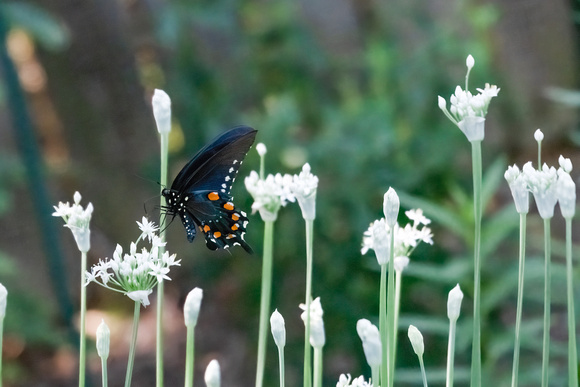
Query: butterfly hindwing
x=200 y=194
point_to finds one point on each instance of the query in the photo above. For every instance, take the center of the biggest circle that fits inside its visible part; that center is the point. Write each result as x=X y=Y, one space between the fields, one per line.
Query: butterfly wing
x=200 y=193
x=216 y=165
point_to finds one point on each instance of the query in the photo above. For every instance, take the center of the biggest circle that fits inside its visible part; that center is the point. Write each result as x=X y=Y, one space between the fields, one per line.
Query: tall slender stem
x=105 y=381
x=383 y=326
x=391 y=328
x=83 y=340
x=520 y=299
x=398 y=280
x=164 y=141
x=451 y=353
x=189 y=356
x=317 y=367
x=131 y=359
x=477 y=210
x=547 y=299
x=1 y=342
x=281 y=360
x=307 y=351
x=423 y=373
x=572 y=354
x=265 y=299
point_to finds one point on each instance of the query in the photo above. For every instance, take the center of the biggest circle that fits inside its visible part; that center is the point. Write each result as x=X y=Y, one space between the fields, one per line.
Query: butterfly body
x=200 y=194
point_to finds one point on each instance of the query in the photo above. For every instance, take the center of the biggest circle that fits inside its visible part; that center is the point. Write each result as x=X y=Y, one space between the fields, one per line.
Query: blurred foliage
x=364 y=114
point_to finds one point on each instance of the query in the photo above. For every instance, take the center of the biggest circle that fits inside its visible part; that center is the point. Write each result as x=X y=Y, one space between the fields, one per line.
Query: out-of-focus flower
x=77 y=219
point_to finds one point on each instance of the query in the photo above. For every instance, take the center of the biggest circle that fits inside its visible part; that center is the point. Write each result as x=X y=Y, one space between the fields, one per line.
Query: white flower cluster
x=468 y=111
x=345 y=381
x=548 y=185
x=378 y=235
x=135 y=273
x=273 y=192
x=77 y=219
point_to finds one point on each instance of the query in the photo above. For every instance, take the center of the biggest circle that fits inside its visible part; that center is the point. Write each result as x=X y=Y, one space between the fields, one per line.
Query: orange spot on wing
x=229 y=206
x=235 y=217
x=213 y=196
x=217 y=234
x=235 y=227
x=230 y=236
x=206 y=228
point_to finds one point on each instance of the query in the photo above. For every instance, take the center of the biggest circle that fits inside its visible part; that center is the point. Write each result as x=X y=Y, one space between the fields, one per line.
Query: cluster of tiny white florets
x=77 y=219
x=548 y=185
x=378 y=235
x=136 y=272
x=345 y=381
x=275 y=191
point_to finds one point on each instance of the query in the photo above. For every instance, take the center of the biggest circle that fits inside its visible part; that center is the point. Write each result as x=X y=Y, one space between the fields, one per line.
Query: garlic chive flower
x=345 y=381
x=3 y=301
x=566 y=189
x=136 y=272
x=391 y=206
x=468 y=111
x=416 y=339
x=278 y=329
x=269 y=194
x=317 y=336
x=538 y=135
x=261 y=149
x=371 y=341
x=543 y=185
x=191 y=307
x=303 y=187
x=212 y=374
x=103 y=340
x=162 y=111
x=454 y=303
x=377 y=236
x=519 y=189
x=77 y=219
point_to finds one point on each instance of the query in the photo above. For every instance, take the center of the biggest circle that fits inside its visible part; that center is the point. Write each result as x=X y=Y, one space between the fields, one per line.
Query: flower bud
x=3 y=299
x=191 y=307
x=212 y=374
x=371 y=341
x=416 y=339
x=261 y=148
x=278 y=329
x=391 y=206
x=162 y=111
x=538 y=135
x=103 y=340
x=469 y=62
x=454 y=303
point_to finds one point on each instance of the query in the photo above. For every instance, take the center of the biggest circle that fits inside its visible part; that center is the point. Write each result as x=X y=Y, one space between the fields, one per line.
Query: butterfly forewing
x=217 y=163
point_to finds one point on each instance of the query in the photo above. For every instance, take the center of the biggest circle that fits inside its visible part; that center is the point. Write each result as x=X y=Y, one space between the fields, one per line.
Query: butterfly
x=200 y=194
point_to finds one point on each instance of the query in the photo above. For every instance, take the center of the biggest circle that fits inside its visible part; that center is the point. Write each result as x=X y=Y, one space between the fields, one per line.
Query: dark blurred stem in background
x=25 y=138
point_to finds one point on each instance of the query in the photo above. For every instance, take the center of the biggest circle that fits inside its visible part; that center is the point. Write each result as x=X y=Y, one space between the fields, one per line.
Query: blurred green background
x=348 y=86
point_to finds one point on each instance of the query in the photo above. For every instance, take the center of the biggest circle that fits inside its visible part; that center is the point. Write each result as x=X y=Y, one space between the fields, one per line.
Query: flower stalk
x=131 y=359
x=279 y=334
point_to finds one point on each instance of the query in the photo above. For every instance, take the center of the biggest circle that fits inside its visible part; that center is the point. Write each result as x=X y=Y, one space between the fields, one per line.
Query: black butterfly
x=200 y=194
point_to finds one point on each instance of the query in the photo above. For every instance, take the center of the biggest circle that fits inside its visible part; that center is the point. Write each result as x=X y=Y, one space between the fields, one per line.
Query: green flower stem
x=281 y=360
x=423 y=374
x=398 y=280
x=375 y=376
x=318 y=367
x=477 y=209
x=105 y=382
x=265 y=299
x=451 y=353
x=1 y=343
x=189 y=356
x=391 y=328
x=131 y=359
x=164 y=142
x=547 y=296
x=572 y=354
x=82 y=333
x=520 y=299
x=307 y=351
x=383 y=326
